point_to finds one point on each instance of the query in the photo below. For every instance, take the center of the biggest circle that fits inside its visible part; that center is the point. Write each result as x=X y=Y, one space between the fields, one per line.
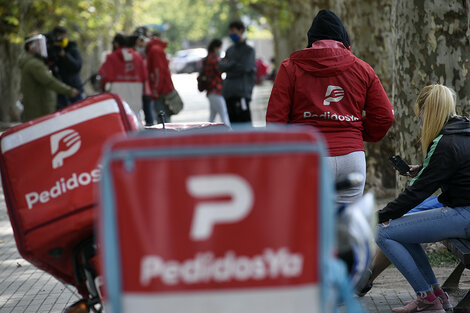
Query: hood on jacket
x=155 y=41
x=457 y=125
x=124 y=54
x=326 y=25
x=324 y=58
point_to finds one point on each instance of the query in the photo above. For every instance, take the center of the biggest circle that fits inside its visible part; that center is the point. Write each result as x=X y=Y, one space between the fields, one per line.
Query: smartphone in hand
x=399 y=164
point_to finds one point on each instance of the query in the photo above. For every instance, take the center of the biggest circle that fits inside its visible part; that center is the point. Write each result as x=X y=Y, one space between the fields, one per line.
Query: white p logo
x=333 y=94
x=209 y=213
x=71 y=143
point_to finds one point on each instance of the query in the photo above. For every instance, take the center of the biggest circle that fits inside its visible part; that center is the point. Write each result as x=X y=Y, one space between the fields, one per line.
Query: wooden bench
x=460 y=248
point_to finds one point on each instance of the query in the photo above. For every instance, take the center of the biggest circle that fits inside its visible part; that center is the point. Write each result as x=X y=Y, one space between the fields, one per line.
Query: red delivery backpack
x=239 y=221
x=49 y=167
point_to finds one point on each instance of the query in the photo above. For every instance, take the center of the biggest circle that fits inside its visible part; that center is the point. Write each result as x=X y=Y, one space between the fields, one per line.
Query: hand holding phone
x=399 y=164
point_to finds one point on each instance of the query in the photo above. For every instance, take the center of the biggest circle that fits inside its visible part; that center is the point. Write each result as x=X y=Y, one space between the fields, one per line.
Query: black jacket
x=70 y=65
x=447 y=166
x=240 y=66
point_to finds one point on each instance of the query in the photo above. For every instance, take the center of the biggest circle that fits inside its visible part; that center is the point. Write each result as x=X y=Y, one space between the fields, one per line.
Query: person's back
x=332 y=88
x=326 y=86
x=123 y=73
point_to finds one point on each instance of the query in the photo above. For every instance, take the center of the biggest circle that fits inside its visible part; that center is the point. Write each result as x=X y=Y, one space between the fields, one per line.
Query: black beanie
x=326 y=25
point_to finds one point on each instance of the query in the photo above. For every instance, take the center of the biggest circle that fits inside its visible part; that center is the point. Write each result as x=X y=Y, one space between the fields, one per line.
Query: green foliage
x=190 y=21
x=186 y=20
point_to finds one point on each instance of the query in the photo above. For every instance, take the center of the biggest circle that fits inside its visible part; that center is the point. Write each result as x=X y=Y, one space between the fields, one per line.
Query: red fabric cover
x=59 y=214
x=157 y=221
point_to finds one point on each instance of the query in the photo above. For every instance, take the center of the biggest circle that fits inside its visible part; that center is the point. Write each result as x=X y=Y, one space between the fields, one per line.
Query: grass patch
x=442 y=258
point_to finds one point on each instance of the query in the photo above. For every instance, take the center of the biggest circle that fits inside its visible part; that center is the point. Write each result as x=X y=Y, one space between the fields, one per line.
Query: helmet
x=37 y=44
x=356 y=229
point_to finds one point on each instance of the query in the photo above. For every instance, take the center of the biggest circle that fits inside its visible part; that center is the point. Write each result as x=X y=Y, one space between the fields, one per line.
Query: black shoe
x=365 y=290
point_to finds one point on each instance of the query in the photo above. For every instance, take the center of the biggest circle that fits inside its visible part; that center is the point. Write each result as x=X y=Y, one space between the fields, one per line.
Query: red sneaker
x=445 y=301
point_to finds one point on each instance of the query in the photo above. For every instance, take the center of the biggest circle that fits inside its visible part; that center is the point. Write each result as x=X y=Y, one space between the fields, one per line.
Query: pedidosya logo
x=333 y=94
x=63 y=145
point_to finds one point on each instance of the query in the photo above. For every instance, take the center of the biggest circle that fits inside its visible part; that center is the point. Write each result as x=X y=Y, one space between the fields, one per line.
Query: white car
x=188 y=61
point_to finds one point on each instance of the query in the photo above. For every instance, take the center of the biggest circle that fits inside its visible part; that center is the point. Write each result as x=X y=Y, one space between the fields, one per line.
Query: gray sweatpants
x=340 y=166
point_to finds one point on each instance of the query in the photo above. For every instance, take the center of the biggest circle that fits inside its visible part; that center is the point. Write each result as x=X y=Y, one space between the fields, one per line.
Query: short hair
x=215 y=43
x=120 y=39
x=59 y=30
x=436 y=104
x=237 y=24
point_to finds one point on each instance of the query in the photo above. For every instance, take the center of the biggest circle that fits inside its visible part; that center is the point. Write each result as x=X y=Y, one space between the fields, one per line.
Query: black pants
x=236 y=112
x=147 y=106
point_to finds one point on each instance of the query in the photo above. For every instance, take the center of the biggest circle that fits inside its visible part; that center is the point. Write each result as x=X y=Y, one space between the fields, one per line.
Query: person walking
x=240 y=67
x=214 y=83
x=64 y=55
x=142 y=37
x=327 y=87
x=38 y=86
x=445 y=142
x=161 y=83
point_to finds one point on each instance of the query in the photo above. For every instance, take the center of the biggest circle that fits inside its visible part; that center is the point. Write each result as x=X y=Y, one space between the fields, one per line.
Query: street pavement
x=24 y=288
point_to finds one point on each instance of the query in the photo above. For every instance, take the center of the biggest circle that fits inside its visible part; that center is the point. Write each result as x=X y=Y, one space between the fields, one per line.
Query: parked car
x=188 y=61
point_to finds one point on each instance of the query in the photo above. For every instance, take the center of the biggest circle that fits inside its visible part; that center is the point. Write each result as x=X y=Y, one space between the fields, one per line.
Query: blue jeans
x=401 y=241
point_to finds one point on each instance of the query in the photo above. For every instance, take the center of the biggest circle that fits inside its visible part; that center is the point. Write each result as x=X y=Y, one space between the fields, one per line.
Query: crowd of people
x=138 y=70
x=324 y=85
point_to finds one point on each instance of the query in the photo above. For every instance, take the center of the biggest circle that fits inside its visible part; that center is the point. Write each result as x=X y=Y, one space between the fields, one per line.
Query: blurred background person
x=213 y=76
x=142 y=37
x=38 y=86
x=65 y=58
x=239 y=64
x=159 y=75
x=123 y=73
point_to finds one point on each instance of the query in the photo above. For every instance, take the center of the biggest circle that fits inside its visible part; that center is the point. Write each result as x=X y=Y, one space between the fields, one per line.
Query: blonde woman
x=445 y=140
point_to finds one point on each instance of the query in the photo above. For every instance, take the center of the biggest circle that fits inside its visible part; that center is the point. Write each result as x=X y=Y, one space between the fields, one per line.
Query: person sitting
x=445 y=141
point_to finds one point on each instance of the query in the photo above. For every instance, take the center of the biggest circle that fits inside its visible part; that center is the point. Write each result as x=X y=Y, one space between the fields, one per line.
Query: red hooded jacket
x=158 y=68
x=124 y=73
x=123 y=65
x=326 y=86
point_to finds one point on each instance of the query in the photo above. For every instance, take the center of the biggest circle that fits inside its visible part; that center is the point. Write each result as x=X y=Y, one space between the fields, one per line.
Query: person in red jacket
x=326 y=86
x=123 y=72
x=159 y=74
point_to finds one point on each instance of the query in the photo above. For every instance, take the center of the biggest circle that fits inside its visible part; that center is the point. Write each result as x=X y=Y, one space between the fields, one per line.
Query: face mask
x=235 y=38
x=64 y=43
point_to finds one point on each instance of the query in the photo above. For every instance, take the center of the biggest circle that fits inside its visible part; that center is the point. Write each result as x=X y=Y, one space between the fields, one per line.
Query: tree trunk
x=431 y=47
x=9 y=81
x=370 y=31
